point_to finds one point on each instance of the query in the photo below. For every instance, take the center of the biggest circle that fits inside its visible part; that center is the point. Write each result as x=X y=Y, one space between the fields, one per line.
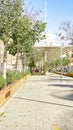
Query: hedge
x=11 y=76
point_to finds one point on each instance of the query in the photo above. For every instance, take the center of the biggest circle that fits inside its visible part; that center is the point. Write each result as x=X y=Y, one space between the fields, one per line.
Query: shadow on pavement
x=63 y=79
x=39 y=101
x=63 y=85
x=67 y=96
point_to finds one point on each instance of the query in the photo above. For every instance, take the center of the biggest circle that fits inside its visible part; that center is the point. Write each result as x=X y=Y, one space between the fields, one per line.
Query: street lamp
x=61 y=53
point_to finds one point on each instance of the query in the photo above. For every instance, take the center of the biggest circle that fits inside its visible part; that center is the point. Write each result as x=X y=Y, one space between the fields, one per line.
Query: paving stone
x=39 y=104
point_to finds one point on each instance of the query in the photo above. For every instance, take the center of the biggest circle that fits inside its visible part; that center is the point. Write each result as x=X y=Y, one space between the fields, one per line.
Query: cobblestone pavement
x=42 y=103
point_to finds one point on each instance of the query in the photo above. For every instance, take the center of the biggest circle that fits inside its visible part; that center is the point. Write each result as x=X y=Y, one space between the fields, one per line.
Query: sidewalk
x=42 y=103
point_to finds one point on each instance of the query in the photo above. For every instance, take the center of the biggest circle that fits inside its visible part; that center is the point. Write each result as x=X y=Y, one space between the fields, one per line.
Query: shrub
x=2 y=82
x=18 y=75
x=27 y=73
x=10 y=77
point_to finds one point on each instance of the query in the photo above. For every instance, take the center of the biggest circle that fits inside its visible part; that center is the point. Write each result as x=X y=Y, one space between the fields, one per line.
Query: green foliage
x=15 y=24
x=27 y=73
x=65 y=61
x=5 y=20
x=52 y=65
x=19 y=75
x=2 y=82
x=16 y=29
x=10 y=11
x=72 y=56
x=10 y=77
x=57 y=62
x=26 y=34
x=32 y=63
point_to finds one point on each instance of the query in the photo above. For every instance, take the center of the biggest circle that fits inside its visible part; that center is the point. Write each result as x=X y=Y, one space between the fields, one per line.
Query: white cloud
x=48 y=41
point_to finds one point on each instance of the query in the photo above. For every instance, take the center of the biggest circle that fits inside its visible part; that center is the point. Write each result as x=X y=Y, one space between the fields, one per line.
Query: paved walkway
x=42 y=103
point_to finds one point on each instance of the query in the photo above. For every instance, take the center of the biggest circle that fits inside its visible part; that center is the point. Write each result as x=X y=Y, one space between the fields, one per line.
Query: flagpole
x=45 y=11
x=45 y=17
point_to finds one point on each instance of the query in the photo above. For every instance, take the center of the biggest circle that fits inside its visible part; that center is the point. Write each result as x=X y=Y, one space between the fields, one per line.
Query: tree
x=57 y=63
x=15 y=25
x=31 y=64
x=5 y=27
x=10 y=12
x=66 y=61
x=67 y=27
x=27 y=33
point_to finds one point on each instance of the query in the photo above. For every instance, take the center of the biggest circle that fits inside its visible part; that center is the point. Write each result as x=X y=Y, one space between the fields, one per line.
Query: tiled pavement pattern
x=40 y=104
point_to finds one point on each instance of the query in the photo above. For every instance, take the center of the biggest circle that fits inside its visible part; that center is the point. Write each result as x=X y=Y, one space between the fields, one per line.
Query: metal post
x=61 y=64
x=61 y=38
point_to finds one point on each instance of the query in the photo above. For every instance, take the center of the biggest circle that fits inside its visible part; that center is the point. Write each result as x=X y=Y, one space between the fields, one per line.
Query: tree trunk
x=23 y=56
x=17 y=58
x=5 y=61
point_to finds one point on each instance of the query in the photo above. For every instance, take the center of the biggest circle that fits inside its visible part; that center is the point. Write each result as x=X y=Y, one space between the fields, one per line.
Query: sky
x=57 y=11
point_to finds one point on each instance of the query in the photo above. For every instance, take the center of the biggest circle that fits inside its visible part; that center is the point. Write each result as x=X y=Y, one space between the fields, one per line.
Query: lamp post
x=61 y=60
x=61 y=54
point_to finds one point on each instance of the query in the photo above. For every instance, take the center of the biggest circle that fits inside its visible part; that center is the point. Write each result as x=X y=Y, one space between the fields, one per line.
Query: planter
x=65 y=74
x=10 y=90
